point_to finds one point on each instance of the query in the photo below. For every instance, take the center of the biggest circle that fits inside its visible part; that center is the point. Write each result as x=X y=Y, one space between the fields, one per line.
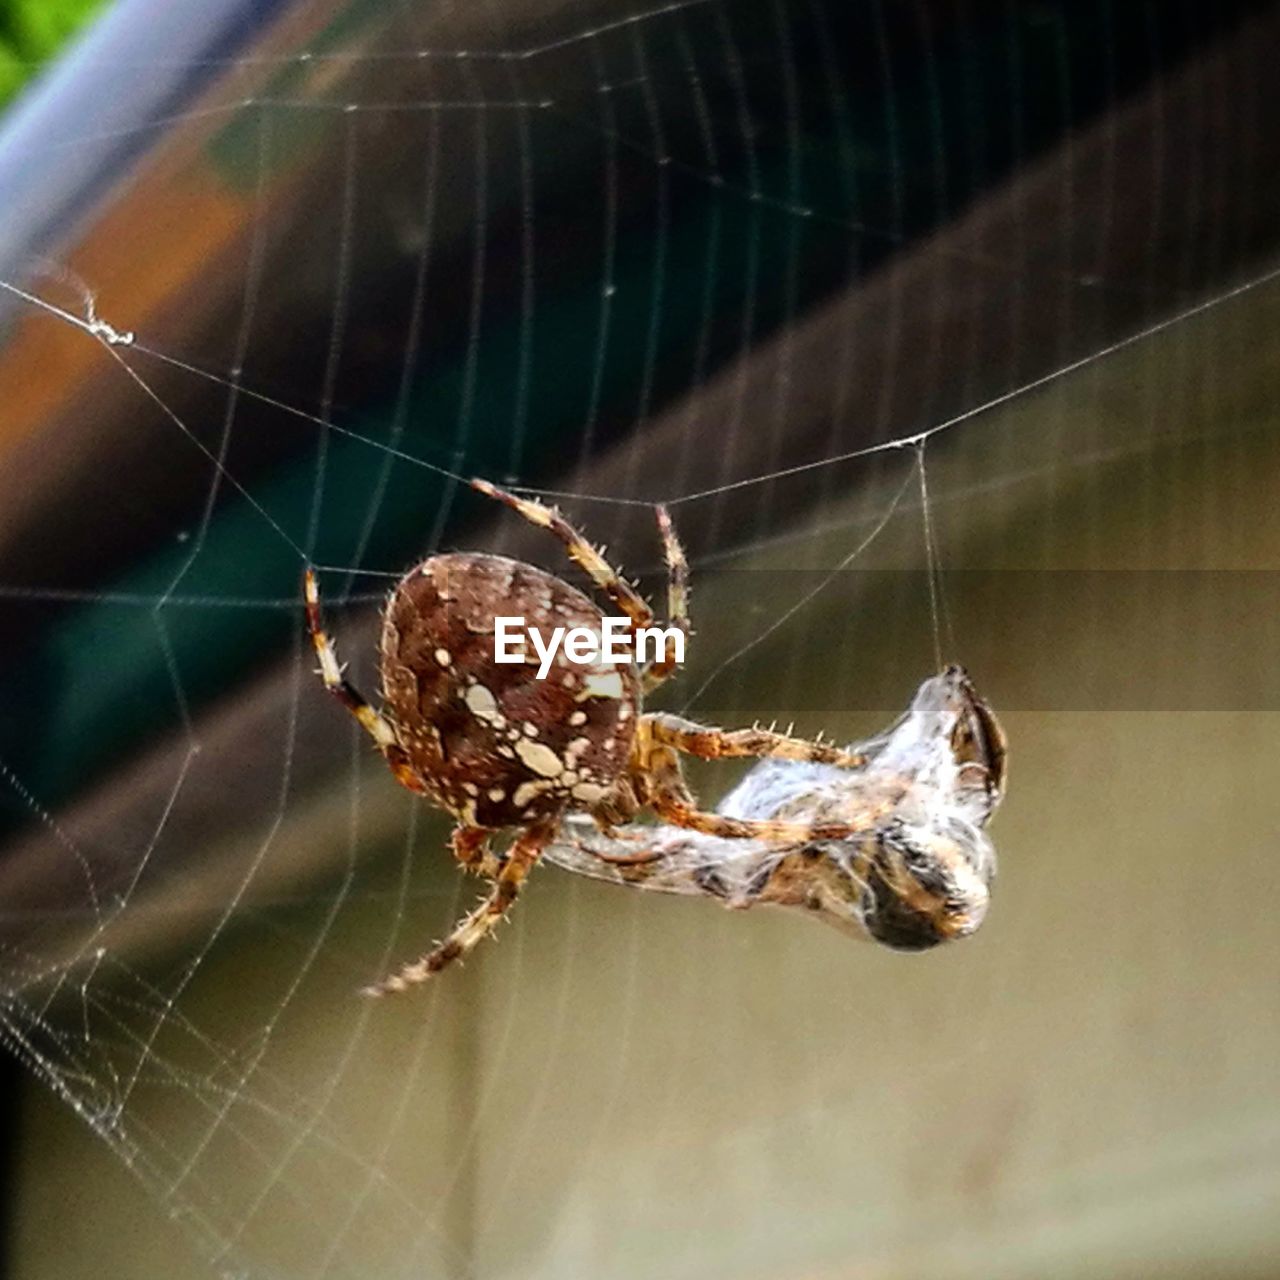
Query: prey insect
x=503 y=751
x=920 y=874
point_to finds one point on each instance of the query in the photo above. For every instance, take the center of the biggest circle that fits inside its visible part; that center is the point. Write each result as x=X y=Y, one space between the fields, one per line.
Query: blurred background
x=874 y=296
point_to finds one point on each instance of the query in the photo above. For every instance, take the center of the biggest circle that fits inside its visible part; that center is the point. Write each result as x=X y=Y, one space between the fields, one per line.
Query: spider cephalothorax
x=505 y=746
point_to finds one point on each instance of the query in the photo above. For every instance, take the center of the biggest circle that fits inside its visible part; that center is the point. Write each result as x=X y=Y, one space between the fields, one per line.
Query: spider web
x=894 y=312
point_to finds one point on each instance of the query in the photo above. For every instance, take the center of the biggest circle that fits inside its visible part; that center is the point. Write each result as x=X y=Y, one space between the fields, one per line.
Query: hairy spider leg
x=708 y=743
x=581 y=552
x=670 y=798
x=607 y=578
x=479 y=922
x=677 y=597
x=470 y=846
x=374 y=723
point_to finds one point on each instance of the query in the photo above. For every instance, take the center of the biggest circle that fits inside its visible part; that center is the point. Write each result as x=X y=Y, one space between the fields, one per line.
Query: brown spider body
x=490 y=742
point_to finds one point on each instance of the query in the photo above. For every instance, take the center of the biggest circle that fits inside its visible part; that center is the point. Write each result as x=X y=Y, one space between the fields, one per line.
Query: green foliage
x=31 y=34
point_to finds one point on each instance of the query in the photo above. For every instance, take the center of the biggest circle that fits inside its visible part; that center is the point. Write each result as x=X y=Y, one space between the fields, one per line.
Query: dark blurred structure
x=460 y=261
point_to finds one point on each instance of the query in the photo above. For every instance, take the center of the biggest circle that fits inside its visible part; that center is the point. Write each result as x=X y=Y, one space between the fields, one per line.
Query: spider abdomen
x=490 y=741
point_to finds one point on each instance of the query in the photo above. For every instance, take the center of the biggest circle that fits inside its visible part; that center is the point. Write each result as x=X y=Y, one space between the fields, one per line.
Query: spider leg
x=677 y=598
x=480 y=921
x=672 y=801
x=470 y=845
x=374 y=723
x=581 y=552
x=708 y=743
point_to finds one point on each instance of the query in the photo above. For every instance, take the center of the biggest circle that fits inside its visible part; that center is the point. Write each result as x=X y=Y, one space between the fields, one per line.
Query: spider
x=501 y=750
